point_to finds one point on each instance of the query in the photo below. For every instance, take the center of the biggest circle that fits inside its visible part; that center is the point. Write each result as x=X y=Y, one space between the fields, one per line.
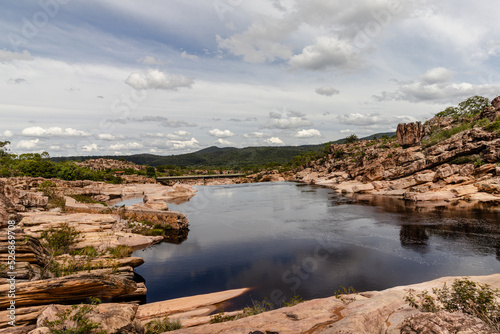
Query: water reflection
x=282 y=239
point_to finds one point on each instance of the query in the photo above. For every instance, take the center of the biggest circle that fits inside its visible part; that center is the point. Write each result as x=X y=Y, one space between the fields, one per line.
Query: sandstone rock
x=363 y=188
x=489 y=112
x=73 y=288
x=112 y=318
x=443 y=323
x=425 y=177
x=429 y=196
x=484 y=169
x=25 y=316
x=496 y=102
x=444 y=171
x=403 y=183
x=492 y=152
x=410 y=134
x=465 y=190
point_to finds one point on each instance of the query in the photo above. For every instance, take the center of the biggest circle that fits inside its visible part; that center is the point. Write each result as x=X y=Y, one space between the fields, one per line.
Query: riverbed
x=284 y=239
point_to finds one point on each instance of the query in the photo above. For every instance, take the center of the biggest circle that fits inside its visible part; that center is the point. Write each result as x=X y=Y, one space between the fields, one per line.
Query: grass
x=162 y=325
x=120 y=251
x=439 y=136
x=60 y=240
x=86 y=199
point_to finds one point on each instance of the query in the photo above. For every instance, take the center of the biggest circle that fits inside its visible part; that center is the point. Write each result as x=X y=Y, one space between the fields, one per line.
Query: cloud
x=308 y=133
x=328 y=52
x=437 y=75
x=247 y=119
x=224 y=142
x=261 y=42
x=177 y=134
x=7 y=134
x=360 y=119
x=28 y=144
x=154 y=79
x=90 y=148
x=162 y=121
x=7 y=56
x=327 y=91
x=110 y=137
x=221 y=133
x=185 y=55
x=256 y=135
x=177 y=144
x=37 y=131
x=292 y=120
x=274 y=141
x=17 y=81
x=149 y=60
x=372 y=122
x=126 y=146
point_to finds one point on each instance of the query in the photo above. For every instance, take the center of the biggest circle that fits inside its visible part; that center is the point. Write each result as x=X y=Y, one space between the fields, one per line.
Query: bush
x=464 y=296
x=163 y=325
x=79 y=316
x=351 y=139
x=439 y=136
x=60 y=240
x=468 y=108
x=120 y=251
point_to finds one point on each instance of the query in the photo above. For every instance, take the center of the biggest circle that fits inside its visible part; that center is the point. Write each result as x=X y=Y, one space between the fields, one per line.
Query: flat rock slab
x=185 y=304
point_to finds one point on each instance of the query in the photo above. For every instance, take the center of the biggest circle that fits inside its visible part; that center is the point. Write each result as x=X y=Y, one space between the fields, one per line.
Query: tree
x=3 y=148
x=351 y=139
x=468 y=108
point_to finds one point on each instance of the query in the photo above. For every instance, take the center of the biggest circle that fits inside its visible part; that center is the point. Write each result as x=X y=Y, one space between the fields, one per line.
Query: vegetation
x=351 y=139
x=147 y=227
x=86 y=199
x=463 y=296
x=162 y=325
x=60 y=240
x=346 y=295
x=48 y=188
x=78 y=315
x=468 y=108
x=120 y=251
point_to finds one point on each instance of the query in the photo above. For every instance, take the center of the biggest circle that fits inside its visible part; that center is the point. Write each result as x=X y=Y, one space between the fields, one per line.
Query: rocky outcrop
x=74 y=288
x=410 y=134
x=370 y=312
x=104 y=164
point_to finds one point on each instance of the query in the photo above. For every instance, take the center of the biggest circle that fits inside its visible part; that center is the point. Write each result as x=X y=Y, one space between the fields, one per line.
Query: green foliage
x=439 y=136
x=162 y=325
x=88 y=251
x=468 y=108
x=346 y=295
x=120 y=251
x=464 y=296
x=78 y=315
x=296 y=299
x=86 y=199
x=256 y=308
x=494 y=126
x=61 y=239
x=351 y=139
x=150 y=171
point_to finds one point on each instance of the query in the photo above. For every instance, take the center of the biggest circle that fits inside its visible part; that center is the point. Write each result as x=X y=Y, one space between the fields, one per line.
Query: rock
x=443 y=323
x=403 y=183
x=73 y=288
x=410 y=134
x=444 y=171
x=429 y=196
x=484 y=169
x=489 y=112
x=111 y=317
x=363 y=188
x=34 y=200
x=25 y=316
x=492 y=152
x=425 y=177
x=496 y=102
x=468 y=189
x=8 y=210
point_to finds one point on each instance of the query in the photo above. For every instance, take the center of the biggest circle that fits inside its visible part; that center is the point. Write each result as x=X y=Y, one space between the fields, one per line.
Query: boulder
x=444 y=322
x=112 y=318
x=496 y=102
x=410 y=134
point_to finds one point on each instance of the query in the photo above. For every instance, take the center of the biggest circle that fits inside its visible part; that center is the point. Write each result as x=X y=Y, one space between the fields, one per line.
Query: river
x=285 y=239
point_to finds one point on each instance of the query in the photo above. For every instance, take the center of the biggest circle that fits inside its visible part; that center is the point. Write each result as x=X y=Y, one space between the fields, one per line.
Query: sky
x=117 y=77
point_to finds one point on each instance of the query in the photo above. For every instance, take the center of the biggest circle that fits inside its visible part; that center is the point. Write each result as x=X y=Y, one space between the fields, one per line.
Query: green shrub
x=120 y=251
x=439 y=136
x=88 y=251
x=467 y=108
x=346 y=294
x=296 y=299
x=60 y=240
x=163 y=325
x=86 y=199
x=79 y=316
x=351 y=139
x=464 y=296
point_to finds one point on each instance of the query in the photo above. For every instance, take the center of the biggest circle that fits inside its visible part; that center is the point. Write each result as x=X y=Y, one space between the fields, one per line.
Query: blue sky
x=169 y=77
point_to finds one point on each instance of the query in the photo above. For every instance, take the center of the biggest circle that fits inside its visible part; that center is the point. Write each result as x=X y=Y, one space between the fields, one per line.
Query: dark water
x=283 y=239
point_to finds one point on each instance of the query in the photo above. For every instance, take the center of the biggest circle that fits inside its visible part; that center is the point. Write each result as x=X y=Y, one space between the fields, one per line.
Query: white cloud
x=308 y=133
x=328 y=52
x=289 y=123
x=186 y=55
x=154 y=79
x=149 y=60
x=7 y=134
x=28 y=144
x=90 y=148
x=224 y=142
x=437 y=75
x=360 y=119
x=37 y=131
x=126 y=146
x=177 y=134
x=17 y=81
x=256 y=135
x=262 y=42
x=6 y=56
x=221 y=133
x=327 y=91
x=110 y=137
x=274 y=141
x=177 y=144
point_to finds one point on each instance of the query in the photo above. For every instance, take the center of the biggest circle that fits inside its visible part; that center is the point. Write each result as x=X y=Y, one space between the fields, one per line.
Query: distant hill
x=229 y=157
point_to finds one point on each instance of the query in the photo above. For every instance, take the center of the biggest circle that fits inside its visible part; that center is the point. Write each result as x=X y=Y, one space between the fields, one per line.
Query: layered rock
x=410 y=134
